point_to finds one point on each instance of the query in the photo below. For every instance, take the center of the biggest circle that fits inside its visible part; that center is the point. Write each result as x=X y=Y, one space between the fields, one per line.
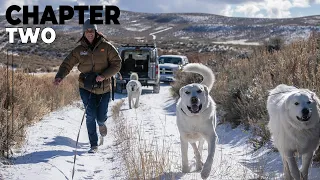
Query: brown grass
x=143 y=159
x=116 y=109
x=32 y=98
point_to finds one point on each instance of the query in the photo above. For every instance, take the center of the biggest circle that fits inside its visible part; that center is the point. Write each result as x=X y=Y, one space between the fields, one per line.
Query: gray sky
x=238 y=8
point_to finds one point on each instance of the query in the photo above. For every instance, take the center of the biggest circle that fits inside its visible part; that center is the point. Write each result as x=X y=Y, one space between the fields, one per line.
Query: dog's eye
x=199 y=91
x=296 y=103
x=309 y=102
x=187 y=92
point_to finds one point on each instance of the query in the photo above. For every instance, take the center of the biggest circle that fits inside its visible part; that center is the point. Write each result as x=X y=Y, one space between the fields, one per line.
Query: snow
x=137 y=27
x=153 y=34
x=240 y=41
x=160 y=28
x=49 y=148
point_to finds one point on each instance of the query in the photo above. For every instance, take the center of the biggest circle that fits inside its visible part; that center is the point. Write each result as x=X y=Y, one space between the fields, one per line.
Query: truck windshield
x=171 y=60
x=136 y=54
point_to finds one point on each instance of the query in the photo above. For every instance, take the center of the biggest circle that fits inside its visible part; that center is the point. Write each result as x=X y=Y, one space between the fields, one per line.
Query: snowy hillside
x=49 y=149
x=185 y=27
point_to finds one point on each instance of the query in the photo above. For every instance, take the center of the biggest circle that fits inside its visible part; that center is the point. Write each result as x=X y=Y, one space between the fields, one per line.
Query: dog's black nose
x=194 y=100
x=132 y=88
x=305 y=111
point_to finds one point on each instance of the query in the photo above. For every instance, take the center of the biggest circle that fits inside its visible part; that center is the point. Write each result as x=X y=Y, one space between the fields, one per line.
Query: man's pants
x=96 y=111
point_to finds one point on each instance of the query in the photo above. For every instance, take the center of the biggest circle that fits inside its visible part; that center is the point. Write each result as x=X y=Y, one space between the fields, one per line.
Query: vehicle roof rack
x=138 y=45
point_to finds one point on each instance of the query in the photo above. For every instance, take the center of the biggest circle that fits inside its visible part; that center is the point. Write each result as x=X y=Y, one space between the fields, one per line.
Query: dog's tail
x=134 y=76
x=204 y=71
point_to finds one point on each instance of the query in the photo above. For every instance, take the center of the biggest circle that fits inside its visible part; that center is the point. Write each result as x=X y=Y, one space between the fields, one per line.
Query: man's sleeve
x=114 y=61
x=67 y=65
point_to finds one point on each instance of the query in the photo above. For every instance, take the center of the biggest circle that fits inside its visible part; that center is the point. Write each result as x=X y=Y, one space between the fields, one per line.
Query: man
x=96 y=56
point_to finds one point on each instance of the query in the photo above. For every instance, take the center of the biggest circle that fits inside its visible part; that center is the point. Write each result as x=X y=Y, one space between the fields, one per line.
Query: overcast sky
x=235 y=8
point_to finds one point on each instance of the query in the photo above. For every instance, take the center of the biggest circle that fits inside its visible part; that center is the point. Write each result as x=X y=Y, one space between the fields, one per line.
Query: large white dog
x=134 y=90
x=196 y=118
x=294 y=126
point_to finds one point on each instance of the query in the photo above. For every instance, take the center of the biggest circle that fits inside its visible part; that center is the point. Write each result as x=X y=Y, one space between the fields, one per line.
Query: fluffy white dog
x=294 y=126
x=196 y=118
x=134 y=90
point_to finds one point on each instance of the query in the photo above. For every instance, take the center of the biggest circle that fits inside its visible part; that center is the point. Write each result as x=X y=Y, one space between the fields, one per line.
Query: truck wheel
x=156 y=89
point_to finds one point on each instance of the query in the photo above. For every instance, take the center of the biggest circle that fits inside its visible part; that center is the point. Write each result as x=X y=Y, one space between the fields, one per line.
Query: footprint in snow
x=97 y=171
x=68 y=161
x=88 y=177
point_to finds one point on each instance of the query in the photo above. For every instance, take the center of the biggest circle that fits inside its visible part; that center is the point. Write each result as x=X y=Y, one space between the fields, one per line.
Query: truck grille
x=166 y=71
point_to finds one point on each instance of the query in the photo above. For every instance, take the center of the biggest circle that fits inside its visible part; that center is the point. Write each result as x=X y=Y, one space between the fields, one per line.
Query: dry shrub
x=116 y=109
x=143 y=159
x=33 y=96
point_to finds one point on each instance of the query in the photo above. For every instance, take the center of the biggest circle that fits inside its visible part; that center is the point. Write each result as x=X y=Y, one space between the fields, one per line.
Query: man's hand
x=99 y=78
x=57 y=81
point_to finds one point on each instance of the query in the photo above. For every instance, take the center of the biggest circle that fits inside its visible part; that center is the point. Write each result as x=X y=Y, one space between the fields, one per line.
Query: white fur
x=199 y=124
x=289 y=133
x=134 y=90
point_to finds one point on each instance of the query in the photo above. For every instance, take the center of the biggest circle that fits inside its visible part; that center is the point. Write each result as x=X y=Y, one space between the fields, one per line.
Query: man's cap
x=87 y=25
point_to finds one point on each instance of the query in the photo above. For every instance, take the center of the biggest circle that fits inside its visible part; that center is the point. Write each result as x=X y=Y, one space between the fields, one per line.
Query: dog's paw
x=185 y=169
x=205 y=173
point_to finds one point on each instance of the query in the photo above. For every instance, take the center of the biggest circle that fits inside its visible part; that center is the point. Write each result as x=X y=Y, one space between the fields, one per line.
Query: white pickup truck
x=170 y=63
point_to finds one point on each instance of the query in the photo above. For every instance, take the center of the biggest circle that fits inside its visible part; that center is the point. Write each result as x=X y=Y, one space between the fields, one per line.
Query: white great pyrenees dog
x=134 y=90
x=196 y=118
x=294 y=126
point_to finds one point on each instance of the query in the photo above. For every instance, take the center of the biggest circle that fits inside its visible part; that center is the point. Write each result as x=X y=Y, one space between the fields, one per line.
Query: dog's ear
x=315 y=98
x=206 y=89
x=286 y=104
x=181 y=91
x=288 y=101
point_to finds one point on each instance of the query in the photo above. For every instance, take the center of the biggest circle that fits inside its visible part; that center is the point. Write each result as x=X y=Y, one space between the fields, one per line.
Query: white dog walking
x=196 y=118
x=134 y=90
x=294 y=126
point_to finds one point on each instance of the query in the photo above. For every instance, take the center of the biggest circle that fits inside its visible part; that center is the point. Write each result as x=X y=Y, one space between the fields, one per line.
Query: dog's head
x=194 y=98
x=302 y=107
x=133 y=86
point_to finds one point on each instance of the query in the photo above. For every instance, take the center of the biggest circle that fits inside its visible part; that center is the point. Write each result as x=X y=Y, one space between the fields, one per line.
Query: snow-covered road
x=49 y=148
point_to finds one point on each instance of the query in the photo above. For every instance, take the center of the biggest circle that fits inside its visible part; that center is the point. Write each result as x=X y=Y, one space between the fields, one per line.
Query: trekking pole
x=12 y=102
x=8 y=101
x=112 y=88
x=75 y=152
